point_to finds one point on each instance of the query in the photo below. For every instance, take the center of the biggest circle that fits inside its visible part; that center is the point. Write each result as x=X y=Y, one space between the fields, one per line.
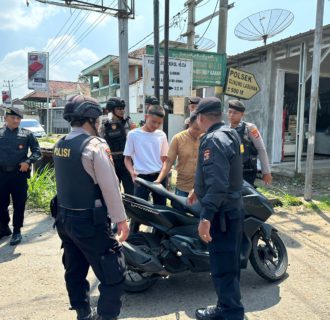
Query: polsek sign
x=241 y=84
x=180 y=76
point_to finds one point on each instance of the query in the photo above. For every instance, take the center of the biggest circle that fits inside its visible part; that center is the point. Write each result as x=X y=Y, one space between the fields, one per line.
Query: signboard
x=209 y=68
x=180 y=76
x=6 y=98
x=241 y=84
x=38 y=71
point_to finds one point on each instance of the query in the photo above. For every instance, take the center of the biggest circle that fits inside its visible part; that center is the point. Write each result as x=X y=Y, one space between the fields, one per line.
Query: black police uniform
x=250 y=154
x=85 y=233
x=115 y=132
x=14 y=147
x=218 y=187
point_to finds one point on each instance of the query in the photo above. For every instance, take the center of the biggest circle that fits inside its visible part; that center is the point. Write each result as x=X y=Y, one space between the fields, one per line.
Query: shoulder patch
x=108 y=151
x=255 y=132
x=206 y=154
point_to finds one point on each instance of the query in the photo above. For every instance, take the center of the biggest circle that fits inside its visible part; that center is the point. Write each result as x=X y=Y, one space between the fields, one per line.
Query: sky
x=75 y=39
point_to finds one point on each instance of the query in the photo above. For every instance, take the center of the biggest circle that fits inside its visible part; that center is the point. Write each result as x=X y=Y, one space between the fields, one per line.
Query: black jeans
x=88 y=244
x=143 y=192
x=13 y=184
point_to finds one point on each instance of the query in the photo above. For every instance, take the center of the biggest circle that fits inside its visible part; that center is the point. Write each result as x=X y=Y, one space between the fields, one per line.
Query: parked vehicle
x=174 y=246
x=34 y=126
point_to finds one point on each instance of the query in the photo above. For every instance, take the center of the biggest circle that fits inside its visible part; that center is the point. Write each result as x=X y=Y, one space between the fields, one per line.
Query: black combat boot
x=4 y=231
x=15 y=239
x=85 y=313
x=209 y=313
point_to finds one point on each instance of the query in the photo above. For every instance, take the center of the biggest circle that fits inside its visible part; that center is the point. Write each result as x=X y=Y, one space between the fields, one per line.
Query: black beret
x=236 y=105
x=210 y=104
x=194 y=100
x=12 y=111
x=151 y=100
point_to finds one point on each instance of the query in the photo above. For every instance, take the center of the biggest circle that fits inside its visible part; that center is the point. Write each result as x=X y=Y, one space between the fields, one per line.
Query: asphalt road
x=32 y=284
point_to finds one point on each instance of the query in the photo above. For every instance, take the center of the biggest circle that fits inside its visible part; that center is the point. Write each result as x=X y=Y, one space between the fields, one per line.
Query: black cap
x=236 y=105
x=151 y=100
x=210 y=104
x=194 y=100
x=12 y=111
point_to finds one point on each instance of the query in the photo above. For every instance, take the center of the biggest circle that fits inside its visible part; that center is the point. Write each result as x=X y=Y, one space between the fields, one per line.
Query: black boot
x=85 y=313
x=4 y=231
x=209 y=313
x=15 y=239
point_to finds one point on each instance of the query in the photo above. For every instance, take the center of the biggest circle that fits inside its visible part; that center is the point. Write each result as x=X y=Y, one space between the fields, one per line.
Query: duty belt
x=117 y=155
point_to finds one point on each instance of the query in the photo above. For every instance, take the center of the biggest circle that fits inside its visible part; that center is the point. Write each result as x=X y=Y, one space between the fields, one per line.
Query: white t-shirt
x=146 y=148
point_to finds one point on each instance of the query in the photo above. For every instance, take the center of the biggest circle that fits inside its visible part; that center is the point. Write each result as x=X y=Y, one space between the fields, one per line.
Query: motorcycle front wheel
x=268 y=265
x=137 y=280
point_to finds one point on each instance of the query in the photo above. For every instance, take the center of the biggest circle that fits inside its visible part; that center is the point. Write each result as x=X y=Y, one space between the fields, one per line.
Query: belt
x=8 y=168
x=155 y=174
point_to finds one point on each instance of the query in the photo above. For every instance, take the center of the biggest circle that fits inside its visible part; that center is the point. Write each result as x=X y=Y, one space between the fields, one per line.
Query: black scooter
x=171 y=243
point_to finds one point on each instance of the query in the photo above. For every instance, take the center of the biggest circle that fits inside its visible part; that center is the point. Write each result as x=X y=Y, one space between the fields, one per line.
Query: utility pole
x=222 y=26
x=191 y=24
x=156 y=50
x=9 y=82
x=123 y=52
x=166 y=72
x=314 y=99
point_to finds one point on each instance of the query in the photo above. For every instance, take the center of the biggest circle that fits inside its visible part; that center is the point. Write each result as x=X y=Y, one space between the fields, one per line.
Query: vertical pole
x=47 y=79
x=156 y=51
x=222 y=27
x=123 y=52
x=166 y=73
x=301 y=106
x=314 y=99
x=191 y=24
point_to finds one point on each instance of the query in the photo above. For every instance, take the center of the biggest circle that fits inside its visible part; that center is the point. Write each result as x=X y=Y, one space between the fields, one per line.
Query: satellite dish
x=204 y=44
x=264 y=24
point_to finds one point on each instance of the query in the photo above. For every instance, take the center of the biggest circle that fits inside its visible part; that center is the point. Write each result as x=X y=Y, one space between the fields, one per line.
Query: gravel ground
x=32 y=284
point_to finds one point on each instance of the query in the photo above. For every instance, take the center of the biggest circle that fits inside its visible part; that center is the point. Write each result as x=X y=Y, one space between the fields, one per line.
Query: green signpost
x=209 y=68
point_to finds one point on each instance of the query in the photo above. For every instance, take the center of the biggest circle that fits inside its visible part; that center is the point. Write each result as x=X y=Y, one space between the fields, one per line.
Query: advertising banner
x=6 y=98
x=38 y=71
x=180 y=76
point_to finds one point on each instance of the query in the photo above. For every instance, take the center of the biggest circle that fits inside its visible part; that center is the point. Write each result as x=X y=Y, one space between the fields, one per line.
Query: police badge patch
x=108 y=151
x=207 y=154
x=113 y=126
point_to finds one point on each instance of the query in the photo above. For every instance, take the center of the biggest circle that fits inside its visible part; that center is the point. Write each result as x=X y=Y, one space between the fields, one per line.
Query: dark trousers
x=124 y=176
x=225 y=261
x=86 y=244
x=143 y=192
x=249 y=176
x=14 y=184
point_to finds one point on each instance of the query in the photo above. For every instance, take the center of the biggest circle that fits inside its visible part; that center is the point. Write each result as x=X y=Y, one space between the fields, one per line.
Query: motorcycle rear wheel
x=262 y=259
x=136 y=280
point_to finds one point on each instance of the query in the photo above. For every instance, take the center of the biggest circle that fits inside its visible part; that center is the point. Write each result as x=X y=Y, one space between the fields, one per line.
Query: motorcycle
x=170 y=243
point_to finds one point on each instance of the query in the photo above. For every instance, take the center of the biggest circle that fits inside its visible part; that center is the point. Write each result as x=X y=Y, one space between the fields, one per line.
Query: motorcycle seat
x=178 y=202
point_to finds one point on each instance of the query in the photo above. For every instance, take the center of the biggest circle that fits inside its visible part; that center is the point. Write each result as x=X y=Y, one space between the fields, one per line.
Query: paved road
x=32 y=285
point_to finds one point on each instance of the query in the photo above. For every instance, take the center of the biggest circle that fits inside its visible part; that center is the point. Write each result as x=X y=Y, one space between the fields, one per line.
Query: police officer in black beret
x=15 y=167
x=218 y=187
x=114 y=131
x=88 y=196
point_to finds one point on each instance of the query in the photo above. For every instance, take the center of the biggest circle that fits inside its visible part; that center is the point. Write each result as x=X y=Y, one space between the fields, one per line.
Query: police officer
x=252 y=144
x=114 y=132
x=150 y=101
x=192 y=105
x=218 y=186
x=15 y=167
x=88 y=191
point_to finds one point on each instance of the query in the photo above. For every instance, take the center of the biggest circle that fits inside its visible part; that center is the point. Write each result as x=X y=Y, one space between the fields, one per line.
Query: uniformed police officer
x=252 y=144
x=88 y=190
x=114 y=131
x=15 y=167
x=218 y=186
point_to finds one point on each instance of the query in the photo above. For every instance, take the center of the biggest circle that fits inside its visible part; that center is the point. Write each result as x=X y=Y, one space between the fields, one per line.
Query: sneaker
x=5 y=231
x=15 y=239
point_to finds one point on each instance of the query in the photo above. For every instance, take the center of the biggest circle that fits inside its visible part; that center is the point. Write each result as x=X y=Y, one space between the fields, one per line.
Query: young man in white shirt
x=147 y=148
